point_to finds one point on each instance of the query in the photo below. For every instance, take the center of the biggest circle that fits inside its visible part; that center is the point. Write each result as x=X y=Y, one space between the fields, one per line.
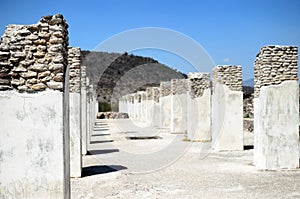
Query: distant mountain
x=248 y=82
x=114 y=75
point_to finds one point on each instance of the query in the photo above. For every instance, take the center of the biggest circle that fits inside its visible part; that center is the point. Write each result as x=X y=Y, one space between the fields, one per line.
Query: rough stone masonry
x=276 y=108
x=34 y=57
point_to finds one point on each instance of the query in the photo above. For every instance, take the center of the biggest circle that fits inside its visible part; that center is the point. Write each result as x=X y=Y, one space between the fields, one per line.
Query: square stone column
x=34 y=101
x=276 y=108
x=227 y=108
x=74 y=61
x=152 y=105
x=178 y=106
x=165 y=105
x=199 y=107
x=136 y=105
x=142 y=107
x=156 y=109
x=83 y=103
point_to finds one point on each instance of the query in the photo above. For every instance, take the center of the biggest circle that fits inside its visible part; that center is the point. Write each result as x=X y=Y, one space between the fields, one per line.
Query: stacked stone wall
x=165 y=88
x=275 y=64
x=179 y=86
x=230 y=76
x=197 y=84
x=34 y=57
x=74 y=61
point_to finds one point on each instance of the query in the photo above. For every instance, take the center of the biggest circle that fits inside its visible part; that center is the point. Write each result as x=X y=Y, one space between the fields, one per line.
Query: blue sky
x=231 y=31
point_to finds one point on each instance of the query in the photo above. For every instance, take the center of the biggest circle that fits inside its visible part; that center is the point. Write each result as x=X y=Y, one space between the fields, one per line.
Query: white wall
x=34 y=159
x=178 y=113
x=199 y=117
x=227 y=119
x=165 y=112
x=75 y=135
x=83 y=103
x=276 y=126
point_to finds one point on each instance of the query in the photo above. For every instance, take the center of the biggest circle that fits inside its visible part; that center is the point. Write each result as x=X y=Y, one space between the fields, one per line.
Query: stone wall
x=34 y=57
x=227 y=108
x=179 y=86
x=74 y=62
x=34 y=101
x=165 y=89
x=230 y=76
x=156 y=94
x=199 y=107
x=276 y=108
x=197 y=84
x=275 y=64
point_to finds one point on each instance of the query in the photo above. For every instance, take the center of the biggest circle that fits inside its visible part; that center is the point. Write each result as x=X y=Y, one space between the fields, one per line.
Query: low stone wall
x=112 y=115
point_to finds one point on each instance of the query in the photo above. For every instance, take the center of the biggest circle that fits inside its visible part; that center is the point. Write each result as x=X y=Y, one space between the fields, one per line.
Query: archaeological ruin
x=50 y=105
x=276 y=108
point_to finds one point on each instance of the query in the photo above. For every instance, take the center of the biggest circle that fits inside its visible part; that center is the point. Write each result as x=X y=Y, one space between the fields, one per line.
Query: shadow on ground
x=101 y=134
x=102 y=169
x=104 y=151
x=101 y=141
x=100 y=129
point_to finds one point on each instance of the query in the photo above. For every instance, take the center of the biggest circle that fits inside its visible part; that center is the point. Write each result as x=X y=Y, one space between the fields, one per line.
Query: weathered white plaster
x=227 y=119
x=150 y=112
x=75 y=135
x=165 y=111
x=83 y=121
x=199 y=117
x=178 y=113
x=34 y=154
x=276 y=126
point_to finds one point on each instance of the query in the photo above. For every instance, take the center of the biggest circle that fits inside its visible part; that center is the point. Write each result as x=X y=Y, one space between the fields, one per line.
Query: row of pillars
x=214 y=113
x=48 y=109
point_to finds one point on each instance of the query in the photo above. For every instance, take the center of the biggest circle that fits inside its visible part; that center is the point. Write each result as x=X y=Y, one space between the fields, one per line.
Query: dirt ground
x=168 y=167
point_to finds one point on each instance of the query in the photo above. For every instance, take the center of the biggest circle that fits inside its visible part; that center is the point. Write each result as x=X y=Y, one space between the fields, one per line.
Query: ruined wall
x=34 y=101
x=179 y=86
x=274 y=65
x=74 y=61
x=227 y=108
x=197 y=84
x=230 y=76
x=179 y=89
x=199 y=107
x=276 y=108
x=34 y=57
x=165 y=89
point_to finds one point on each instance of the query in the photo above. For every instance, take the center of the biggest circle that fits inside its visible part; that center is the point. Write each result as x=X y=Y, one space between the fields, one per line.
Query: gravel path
x=171 y=168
